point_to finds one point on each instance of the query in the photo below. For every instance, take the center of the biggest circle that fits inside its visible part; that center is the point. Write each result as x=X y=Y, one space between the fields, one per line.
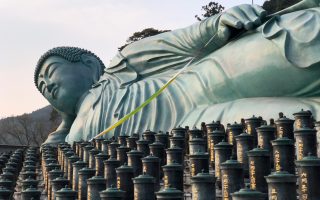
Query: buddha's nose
x=49 y=87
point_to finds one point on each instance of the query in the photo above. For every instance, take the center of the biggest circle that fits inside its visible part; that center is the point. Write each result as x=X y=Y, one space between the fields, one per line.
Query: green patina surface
x=272 y=66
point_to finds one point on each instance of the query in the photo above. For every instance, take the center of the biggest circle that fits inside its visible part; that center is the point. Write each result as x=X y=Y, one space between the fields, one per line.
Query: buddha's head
x=64 y=74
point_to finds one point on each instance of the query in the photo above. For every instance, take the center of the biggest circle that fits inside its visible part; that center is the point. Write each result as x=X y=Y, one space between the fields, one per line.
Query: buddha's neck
x=78 y=106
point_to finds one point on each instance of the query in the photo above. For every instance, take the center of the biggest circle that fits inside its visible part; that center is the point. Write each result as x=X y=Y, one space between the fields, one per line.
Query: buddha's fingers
x=231 y=21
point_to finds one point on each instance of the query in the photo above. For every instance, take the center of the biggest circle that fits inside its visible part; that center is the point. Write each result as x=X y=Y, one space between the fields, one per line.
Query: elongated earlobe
x=94 y=64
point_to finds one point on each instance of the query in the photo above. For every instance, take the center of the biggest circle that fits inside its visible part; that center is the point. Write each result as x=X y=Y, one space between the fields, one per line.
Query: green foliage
x=273 y=6
x=142 y=34
x=211 y=9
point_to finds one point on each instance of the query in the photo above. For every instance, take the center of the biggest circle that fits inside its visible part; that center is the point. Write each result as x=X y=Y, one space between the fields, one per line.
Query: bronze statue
x=272 y=66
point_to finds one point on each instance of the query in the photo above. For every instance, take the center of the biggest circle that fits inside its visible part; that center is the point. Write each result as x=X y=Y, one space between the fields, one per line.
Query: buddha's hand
x=56 y=137
x=242 y=17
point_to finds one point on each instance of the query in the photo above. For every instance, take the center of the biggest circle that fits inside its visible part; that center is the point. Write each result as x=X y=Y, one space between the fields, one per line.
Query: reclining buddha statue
x=240 y=62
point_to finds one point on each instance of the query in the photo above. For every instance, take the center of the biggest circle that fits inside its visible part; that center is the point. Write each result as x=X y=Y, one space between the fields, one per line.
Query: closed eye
x=52 y=69
x=42 y=87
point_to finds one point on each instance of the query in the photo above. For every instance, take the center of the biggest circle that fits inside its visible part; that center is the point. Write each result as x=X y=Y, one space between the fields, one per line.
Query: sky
x=30 y=28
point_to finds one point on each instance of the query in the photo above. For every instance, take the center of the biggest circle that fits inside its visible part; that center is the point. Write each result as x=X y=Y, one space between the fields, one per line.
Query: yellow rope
x=157 y=93
x=299 y=6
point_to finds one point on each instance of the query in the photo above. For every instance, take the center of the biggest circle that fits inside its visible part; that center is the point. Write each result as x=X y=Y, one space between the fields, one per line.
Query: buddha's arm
x=62 y=131
x=216 y=31
x=172 y=48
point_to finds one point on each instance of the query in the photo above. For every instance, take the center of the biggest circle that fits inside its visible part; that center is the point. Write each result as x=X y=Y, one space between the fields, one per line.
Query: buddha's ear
x=93 y=63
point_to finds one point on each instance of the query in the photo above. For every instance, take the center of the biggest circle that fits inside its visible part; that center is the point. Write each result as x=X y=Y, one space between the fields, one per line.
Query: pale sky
x=29 y=28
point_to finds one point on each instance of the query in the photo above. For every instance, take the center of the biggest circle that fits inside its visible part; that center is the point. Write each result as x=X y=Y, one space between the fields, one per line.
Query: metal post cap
x=281 y=176
x=144 y=178
x=112 y=192
x=96 y=180
x=203 y=177
x=259 y=152
x=249 y=193
x=124 y=168
x=308 y=161
x=303 y=113
x=231 y=164
x=282 y=141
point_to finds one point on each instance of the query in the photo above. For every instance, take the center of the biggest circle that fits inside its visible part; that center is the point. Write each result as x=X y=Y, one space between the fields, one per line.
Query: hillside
x=30 y=128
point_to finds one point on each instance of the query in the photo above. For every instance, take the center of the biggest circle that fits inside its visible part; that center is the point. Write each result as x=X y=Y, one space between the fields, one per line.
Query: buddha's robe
x=271 y=69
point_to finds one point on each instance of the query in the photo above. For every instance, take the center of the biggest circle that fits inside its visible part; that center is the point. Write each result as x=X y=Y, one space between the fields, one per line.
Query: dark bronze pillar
x=169 y=193
x=31 y=193
x=309 y=177
x=251 y=125
x=75 y=173
x=151 y=166
x=143 y=146
x=122 y=154
x=233 y=131
x=282 y=185
x=175 y=154
x=231 y=177
x=214 y=138
x=66 y=194
x=199 y=162
x=244 y=144
x=203 y=186
x=110 y=175
x=284 y=127
x=283 y=155
x=266 y=133
x=305 y=142
x=248 y=194
x=99 y=159
x=223 y=152
x=92 y=160
x=95 y=184
x=259 y=167
x=122 y=140
x=197 y=145
x=57 y=184
x=149 y=136
x=84 y=175
x=134 y=160
x=104 y=145
x=162 y=138
x=157 y=149
x=112 y=193
x=303 y=119
x=132 y=142
x=144 y=187
x=173 y=175
x=124 y=180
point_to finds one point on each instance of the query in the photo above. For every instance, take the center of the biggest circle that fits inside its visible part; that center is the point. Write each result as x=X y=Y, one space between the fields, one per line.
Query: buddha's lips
x=54 y=92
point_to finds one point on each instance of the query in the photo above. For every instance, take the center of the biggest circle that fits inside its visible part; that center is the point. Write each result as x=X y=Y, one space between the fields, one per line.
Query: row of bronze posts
x=133 y=168
x=19 y=174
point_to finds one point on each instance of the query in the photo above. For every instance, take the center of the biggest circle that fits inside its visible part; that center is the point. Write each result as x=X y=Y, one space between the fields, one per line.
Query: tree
x=22 y=130
x=29 y=129
x=55 y=120
x=212 y=8
x=272 y=6
x=142 y=34
x=9 y=127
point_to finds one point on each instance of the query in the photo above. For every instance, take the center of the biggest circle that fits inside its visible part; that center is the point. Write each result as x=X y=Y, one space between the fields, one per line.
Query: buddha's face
x=63 y=83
